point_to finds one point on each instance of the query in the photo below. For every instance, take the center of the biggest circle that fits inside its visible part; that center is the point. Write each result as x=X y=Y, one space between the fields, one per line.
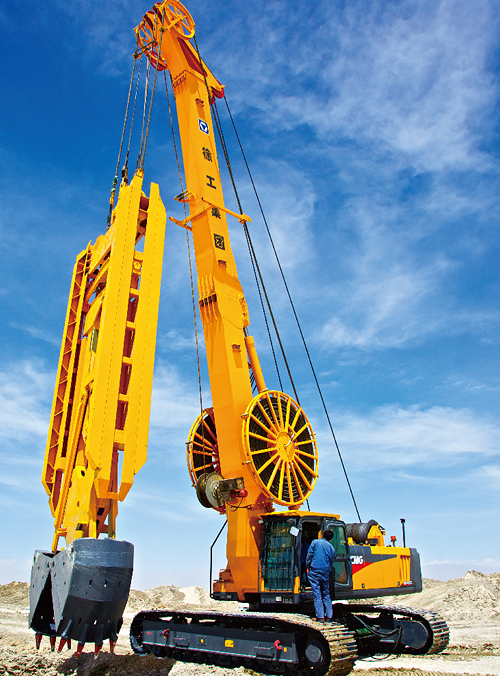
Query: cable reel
x=202 y=456
x=280 y=447
x=202 y=450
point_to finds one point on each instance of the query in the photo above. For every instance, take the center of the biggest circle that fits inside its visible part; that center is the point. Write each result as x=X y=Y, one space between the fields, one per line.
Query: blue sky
x=372 y=134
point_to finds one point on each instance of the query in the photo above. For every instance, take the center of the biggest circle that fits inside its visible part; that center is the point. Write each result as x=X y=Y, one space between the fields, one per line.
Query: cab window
x=278 y=558
x=339 y=543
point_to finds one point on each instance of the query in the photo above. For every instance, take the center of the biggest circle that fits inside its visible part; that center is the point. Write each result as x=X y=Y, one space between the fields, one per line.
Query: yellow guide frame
x=98 y=432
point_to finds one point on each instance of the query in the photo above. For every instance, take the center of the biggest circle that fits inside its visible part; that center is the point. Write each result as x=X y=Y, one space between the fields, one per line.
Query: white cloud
x=383 y=309
x=176 y=341
x=25 y=390
x=289 y=200
x=108 y=30
x=395 y=438
x=410 y=78
x=447 y=569
x=175 y=402
x=384 y=294
x=38 y=333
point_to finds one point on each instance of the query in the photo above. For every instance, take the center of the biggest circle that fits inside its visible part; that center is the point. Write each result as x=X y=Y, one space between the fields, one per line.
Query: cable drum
x=201 y=447
x=359 y=531
x=280 y=447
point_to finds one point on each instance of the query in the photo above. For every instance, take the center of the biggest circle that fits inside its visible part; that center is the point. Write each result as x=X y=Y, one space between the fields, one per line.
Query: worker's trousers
x=320 y=587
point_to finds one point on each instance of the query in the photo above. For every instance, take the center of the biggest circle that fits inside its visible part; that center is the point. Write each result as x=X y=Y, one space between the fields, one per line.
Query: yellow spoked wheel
x=178 y=18
x=281 y=447
x=202 y=450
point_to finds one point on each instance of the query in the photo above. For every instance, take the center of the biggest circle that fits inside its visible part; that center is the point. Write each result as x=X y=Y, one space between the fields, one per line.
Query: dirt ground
x=471 y=605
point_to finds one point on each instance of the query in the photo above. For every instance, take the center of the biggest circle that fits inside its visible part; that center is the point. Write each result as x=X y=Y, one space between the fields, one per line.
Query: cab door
x=341 y=578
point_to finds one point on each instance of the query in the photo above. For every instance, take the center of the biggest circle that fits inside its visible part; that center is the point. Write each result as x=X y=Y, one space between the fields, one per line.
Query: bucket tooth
x=98 y=637
x=113 y=631
x=53 y=640
x=62 y=643
x=97 y=649
x=79 y=650
x=38 y=640
x=82 y=638
x=69 y=644
x=80 y=593
x=112 y=646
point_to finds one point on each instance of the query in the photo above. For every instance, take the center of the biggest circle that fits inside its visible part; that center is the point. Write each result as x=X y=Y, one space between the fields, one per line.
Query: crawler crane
x=246 y=454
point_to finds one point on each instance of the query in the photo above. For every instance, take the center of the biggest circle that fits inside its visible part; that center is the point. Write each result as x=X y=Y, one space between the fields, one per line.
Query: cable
x=245 y=227
x=146 y=87
x=115 y=180
x=211 y=558
x=295 y=314
x=193 y=298
x=162 y=30
x=125 y=164
x=253 y=255
x=265 y=317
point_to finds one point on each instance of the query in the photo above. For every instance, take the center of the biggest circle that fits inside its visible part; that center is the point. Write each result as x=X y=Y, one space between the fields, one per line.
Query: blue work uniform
x=320 y=558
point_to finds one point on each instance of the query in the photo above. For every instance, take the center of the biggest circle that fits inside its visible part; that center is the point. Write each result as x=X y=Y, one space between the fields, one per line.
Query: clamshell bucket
x=80 y=593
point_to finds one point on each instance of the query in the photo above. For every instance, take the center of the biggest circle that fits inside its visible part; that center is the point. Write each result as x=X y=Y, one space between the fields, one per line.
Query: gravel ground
x=470 y=604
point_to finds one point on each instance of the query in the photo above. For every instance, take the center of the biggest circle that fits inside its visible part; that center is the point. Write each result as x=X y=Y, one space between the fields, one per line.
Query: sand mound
x=15 y=594
x=171 y=597
x=475 y=597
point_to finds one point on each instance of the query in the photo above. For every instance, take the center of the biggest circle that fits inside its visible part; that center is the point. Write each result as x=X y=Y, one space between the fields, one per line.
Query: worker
x=319 y=561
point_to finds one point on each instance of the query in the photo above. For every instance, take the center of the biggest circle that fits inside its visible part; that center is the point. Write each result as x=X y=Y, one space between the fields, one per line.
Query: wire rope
x=146 y=87
x=245 y=226
x=265 y=317
x=193 y=298
x=253 y=255
x=115 y=179
x=125 y=164
x=253 y=258
x=143 y=148
x=295 y=314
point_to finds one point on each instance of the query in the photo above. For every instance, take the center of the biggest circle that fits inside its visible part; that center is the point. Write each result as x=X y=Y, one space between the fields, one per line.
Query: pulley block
x=168 y=15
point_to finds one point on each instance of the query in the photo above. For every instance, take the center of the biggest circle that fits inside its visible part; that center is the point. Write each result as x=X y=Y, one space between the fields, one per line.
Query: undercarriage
x=288 y=643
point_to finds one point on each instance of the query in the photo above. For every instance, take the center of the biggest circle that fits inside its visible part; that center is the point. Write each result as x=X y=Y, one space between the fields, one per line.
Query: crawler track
x=305 y=647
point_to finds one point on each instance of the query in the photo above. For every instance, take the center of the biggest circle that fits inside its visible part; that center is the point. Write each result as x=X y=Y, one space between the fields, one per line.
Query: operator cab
x=285 y=539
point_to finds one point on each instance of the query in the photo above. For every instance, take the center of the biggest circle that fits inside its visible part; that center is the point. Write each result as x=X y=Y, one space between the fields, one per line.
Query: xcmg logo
x=357 y=560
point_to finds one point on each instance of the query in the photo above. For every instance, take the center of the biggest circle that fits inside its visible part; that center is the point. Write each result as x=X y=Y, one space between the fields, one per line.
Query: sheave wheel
x=178 y=18
x=146 y=33
x=281 y=447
